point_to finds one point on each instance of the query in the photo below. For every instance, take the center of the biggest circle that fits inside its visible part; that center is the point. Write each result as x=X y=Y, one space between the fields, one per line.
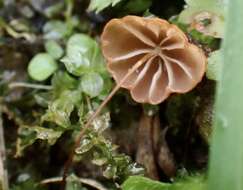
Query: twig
x=85 y=181
x=14 y=34
x=3 y=172
x=29 y=85
x=96 y=113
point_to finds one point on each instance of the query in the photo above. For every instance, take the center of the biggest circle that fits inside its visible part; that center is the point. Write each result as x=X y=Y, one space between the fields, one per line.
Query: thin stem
x=85 y=181
x=97 y=112
x=13 y=33
x=29 y=85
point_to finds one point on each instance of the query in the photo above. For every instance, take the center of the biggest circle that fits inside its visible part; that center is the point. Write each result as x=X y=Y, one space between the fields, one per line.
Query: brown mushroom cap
x=169 y=62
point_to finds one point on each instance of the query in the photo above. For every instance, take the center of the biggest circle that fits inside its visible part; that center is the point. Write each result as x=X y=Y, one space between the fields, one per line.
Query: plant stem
x=13 y=33
x=86 y=181
x=226 y=158
x=29 y=85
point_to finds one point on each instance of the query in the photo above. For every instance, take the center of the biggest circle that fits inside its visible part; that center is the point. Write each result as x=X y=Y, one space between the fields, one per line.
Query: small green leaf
x=47 y=134
x=137 y=6
x=27 y=184
x=202 y=38
x=101 y=123
x=78 y=48
x=55 y=29
x=42 y=66
x=107 y=87
x=73 y=183
x=142 y=183
x=99 y=5
x=214 y=66
x=27 y=135
x=60 y=110
x=54 y=49
x=196 y=182
x=42 y=99
x=62 y=81
x=92 y=84
x=83 y=55
x=53 y=9
x=85 y=145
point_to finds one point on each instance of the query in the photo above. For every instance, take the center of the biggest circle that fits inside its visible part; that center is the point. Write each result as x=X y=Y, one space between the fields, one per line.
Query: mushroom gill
x=151 y=57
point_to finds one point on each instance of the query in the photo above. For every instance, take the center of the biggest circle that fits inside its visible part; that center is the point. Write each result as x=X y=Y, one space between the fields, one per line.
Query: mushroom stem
x=97 y=112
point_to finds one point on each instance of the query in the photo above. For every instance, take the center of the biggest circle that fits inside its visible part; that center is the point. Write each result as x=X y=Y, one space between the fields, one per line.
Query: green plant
x=53 y=77
x=225 y=171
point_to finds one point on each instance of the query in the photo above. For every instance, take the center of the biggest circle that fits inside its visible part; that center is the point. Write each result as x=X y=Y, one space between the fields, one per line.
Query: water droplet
x=23 y=177
x=43 y=135
x=99 y=161
x=85 y=146
x=101 y=123
x=110 y=172
x=136 y=169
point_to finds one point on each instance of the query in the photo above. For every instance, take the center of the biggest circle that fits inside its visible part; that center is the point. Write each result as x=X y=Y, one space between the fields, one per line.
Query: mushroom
x=151 y=58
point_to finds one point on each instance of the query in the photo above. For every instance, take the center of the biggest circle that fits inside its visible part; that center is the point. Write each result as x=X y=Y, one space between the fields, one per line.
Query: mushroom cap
x=173 y=66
